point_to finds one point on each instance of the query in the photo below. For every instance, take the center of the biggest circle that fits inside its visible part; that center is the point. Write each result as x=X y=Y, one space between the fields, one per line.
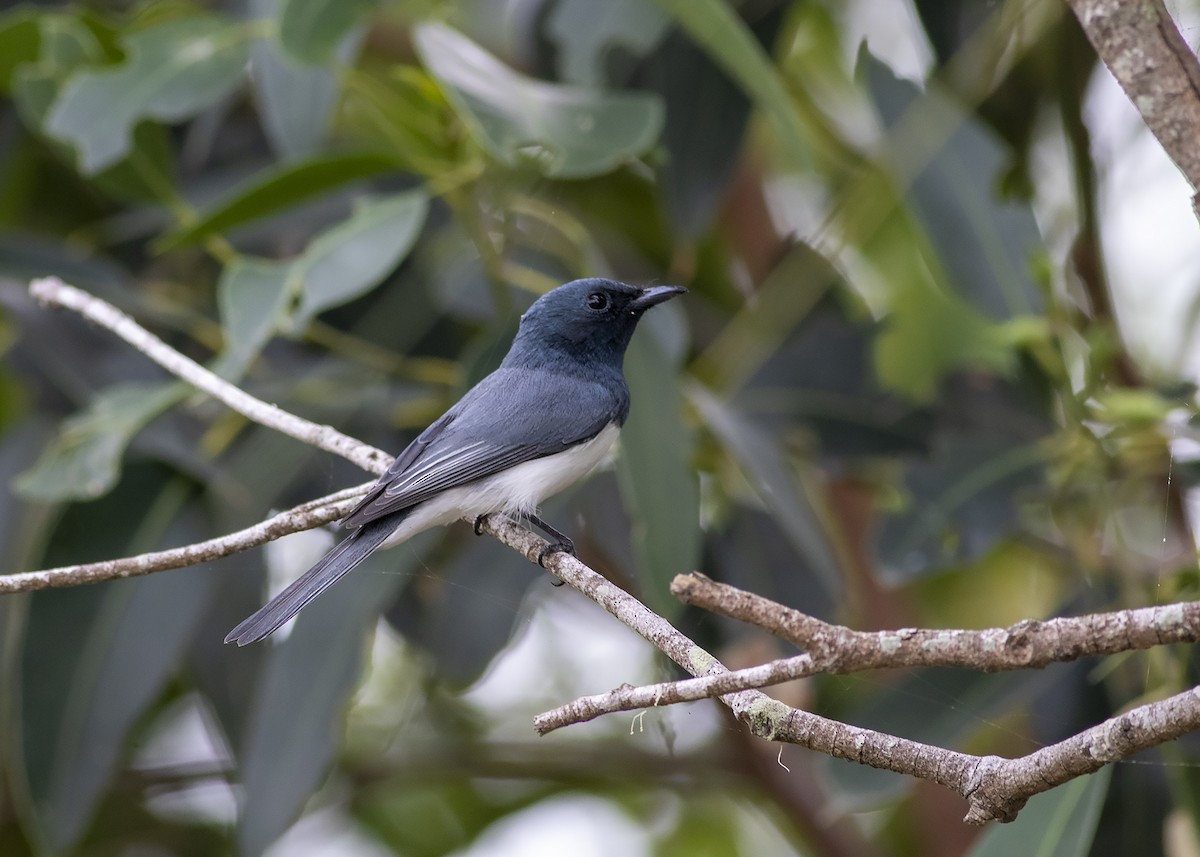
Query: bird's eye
x=597 y=300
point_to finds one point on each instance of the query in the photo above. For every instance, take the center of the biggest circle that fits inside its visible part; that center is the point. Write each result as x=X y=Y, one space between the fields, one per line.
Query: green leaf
x=311 y=29
x=987 y=245
x=657 y=476
x=1058 y=823
x=295 y=102
x=83 y=460
x=20 y=43
x=354 y=256
x=65 y=46
x=96 y=658
x=584 y=31
x=770 y=473
x=253 y=298
x=281 y=188
x=565 y=131
x=307 y=679
x=716 y=27
x=172 y=71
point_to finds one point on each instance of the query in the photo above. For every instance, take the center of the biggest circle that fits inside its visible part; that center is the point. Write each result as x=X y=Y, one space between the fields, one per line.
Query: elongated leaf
x=295 y=101
x=565 y=131
x=986 y=244
x=253 y=297
x=1058 y=823
x=657 y=475
x=96 y=657
x=84 y=459
x=306 y=681
x=279 y=189
x=172 y=71
x=311 y=29
x=768 y=470
x=716 y=27
x=20 y=43
x=354 y=256
x=585 y=31
x=963 y=500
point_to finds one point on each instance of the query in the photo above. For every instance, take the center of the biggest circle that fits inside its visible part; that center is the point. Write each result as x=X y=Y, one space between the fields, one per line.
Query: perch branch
x=994 y=787
x=314 y=513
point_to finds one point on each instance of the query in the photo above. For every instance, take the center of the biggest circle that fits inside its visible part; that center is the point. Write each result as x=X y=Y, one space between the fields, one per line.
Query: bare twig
x=52 y=290
x=314 y=513
x=1030 y=644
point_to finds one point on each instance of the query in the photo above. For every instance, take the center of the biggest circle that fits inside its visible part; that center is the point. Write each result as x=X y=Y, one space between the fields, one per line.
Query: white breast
x=518 y=489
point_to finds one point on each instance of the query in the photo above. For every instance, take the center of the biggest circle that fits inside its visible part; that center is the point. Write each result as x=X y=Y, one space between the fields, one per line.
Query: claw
x=563 y=546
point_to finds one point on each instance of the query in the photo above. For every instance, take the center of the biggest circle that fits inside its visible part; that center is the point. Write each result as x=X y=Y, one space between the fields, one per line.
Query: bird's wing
x=510 y=417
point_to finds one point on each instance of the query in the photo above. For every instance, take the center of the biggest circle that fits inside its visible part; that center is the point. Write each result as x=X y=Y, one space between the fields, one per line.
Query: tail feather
x=344 y=557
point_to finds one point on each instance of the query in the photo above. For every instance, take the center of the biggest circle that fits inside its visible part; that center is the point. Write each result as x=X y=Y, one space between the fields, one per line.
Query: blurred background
x=937 y=368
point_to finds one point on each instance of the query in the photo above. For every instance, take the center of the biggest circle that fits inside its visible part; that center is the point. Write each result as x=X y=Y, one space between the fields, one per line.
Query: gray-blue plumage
x=541 y=421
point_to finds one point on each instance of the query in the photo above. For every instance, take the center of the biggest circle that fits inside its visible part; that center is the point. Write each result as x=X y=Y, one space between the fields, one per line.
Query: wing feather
x=507 y=419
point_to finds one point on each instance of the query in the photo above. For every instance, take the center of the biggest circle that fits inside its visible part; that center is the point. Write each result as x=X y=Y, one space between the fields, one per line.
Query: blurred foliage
x=891 y=398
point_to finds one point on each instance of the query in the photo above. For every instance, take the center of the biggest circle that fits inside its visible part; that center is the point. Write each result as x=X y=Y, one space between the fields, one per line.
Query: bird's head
x=587 y=319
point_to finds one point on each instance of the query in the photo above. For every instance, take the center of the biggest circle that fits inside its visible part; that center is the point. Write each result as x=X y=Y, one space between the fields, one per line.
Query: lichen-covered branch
x=1139 y=43
x=1029 y=644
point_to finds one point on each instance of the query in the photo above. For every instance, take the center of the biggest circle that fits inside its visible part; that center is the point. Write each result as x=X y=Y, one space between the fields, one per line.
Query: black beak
x=654 y=295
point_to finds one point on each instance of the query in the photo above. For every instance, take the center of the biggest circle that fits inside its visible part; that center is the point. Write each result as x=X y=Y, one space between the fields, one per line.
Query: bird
x=544 y=419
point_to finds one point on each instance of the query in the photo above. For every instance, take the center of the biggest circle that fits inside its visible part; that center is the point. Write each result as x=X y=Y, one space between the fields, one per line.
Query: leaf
x=771 y=474
x=278 y=189
x=717 y=28
x=987 y=245
x=584 y=32
x=171 y=71
x=83 y=460
x=1058 y=823
x=95 y=658
x=307 y=679
x=657 y=476
x=564 y=131
x=145 y=175
x=310 y=30
x=253 y=298
x=354 y=256
x=295 y=102
x=20 y=43
x=64 y=45
x=962 y=501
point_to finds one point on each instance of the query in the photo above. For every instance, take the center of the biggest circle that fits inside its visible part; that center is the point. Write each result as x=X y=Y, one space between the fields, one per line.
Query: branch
x=53 y=291
x=1029 y=644
x=314 y=513
x=1142 y=47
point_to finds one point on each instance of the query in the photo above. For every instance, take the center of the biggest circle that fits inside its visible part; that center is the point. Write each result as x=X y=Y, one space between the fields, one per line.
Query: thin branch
x=306 y=516
x=630 y=698
x=1029 y=644
x=52 y=290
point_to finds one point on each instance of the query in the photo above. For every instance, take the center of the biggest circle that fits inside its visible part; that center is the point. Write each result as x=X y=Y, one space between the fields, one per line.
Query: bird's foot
x=479 y=519
x=564 y=545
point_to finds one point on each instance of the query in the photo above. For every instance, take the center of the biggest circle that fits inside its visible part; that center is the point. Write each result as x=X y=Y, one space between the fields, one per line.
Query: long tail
x=344 y=557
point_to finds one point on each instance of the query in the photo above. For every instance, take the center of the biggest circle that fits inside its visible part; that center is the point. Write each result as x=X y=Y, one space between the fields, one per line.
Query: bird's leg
x=560 y=543
x=479 y=519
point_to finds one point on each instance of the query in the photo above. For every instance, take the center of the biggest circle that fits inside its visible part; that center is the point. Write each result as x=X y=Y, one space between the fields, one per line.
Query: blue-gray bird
x=543 y=420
